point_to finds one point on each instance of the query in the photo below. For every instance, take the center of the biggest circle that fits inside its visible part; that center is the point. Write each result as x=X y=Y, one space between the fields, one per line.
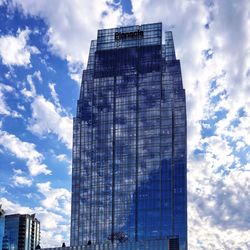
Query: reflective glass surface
x=162 y=244
x=10 y=240
x=1 y=230
x=129 y=142
x=22 y=232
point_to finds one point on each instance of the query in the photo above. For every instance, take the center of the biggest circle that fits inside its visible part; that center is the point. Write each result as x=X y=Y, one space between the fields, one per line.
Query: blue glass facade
x=2 y=222
x=10 y=240
x=22 y=232
x=129 y=141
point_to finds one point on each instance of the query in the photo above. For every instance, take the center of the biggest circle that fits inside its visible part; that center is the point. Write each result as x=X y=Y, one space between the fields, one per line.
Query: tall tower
x=129 y=141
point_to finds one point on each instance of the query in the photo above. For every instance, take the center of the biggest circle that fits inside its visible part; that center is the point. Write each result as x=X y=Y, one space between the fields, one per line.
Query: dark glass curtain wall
x=129 y=142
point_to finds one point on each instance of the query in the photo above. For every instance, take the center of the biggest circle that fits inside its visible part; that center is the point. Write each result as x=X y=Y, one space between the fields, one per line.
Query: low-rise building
x=21 y=232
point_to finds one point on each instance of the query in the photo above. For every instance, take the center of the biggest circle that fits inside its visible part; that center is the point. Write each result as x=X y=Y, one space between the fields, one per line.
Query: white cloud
x=2 y=2
x=48 y=67
x=30 y=92
x=210 y=237
x=4 y=108
x=218 y=207
x=50 y=220
x=20 y=107
x=26 y=151
x=10 y=74
x=14 y=50
x=13 y=208
x=53 y=92
x=19 y=179
x=219 y=152
x=55 y=237
x=240 y=145
x=55 y=214
x=46 y=119
x=56 y=199
x=3 y=190
x=62 y=157
x=55 y=96
x=75 y=70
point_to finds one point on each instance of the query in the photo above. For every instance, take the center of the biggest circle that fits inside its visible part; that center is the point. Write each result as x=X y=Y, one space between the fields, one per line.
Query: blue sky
x=43 y=49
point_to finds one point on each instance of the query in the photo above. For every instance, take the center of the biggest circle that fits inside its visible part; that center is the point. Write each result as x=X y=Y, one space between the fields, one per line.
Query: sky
x=43 y=50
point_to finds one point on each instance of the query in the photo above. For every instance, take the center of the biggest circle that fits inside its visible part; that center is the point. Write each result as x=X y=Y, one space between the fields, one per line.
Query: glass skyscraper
x=2 y=222
x=129 y=142
x=22 y=232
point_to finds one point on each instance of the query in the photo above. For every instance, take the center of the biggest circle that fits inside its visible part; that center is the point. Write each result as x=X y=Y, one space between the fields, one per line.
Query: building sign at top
x=129 y=35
